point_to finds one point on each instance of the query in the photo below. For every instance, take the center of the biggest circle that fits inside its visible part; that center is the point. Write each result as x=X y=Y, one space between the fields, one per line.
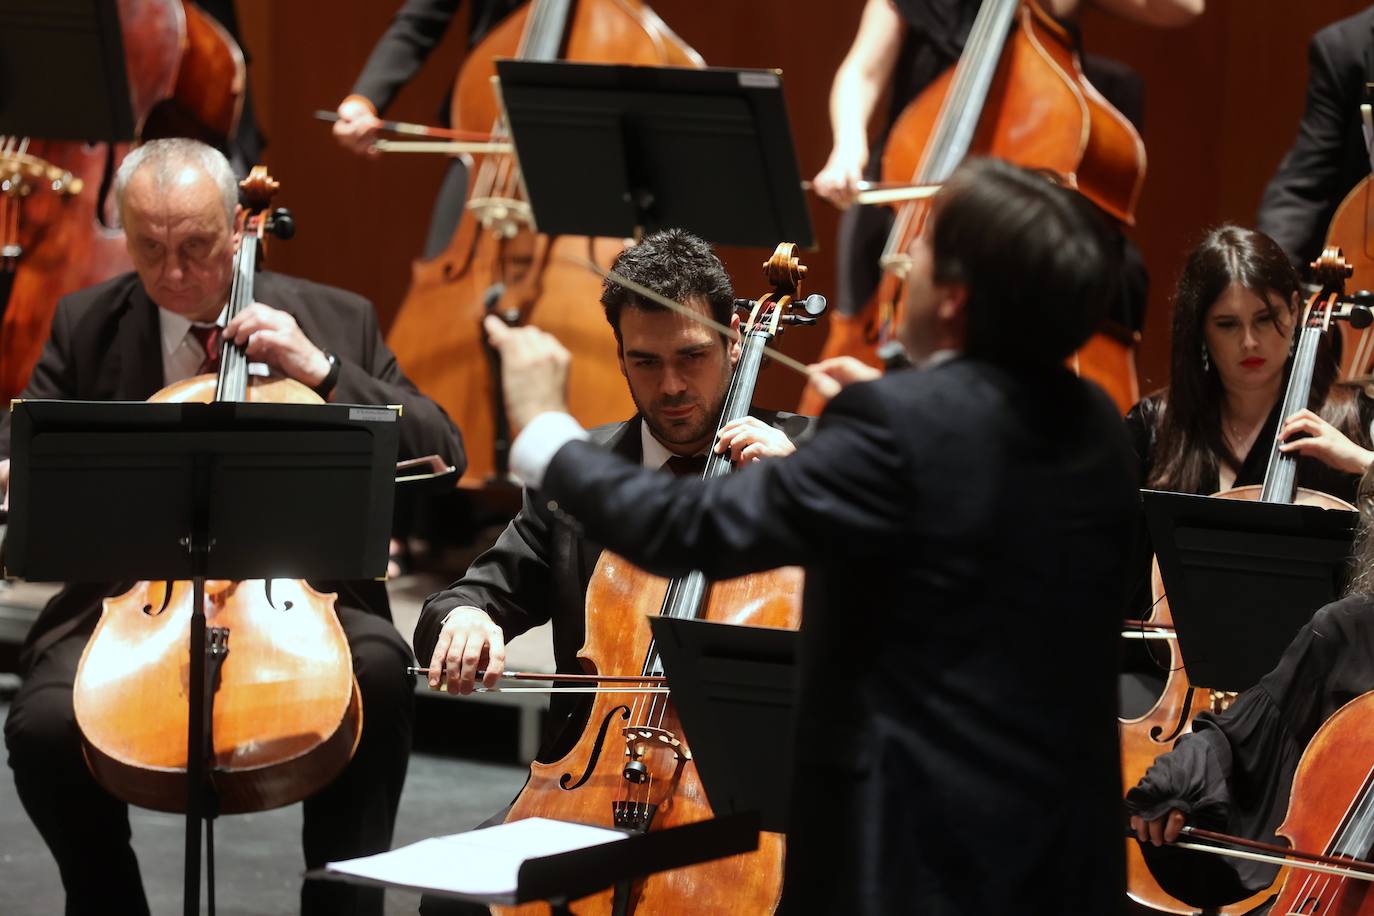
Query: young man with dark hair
x=943 y=515
x=678 y=371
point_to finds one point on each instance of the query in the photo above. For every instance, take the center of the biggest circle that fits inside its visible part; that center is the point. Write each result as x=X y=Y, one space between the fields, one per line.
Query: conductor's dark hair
x=672 y=263
x=1036 y=259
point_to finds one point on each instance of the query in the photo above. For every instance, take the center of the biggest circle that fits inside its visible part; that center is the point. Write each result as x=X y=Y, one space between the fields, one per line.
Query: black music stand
x=178 y=479
x=1243 y=577
x=610 y=150
x=563 y=877
x=735 y=690
x=87 y=96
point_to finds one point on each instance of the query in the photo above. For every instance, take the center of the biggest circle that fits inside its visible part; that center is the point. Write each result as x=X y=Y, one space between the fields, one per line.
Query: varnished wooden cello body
x=496 y=263
x=1017 y=93
x=57 y=222
x=632 y=766
x=286 y=715
x=1146 y=737
x=1352 y=231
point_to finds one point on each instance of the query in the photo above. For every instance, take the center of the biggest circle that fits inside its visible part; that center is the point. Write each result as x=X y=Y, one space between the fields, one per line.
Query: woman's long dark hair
x=1190 y=446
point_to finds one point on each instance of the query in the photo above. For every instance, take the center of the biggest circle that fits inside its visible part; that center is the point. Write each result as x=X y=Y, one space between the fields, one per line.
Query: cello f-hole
x=563 y=781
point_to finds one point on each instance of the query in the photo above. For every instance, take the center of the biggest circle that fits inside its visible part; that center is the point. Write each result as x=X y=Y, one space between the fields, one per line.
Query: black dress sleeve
x=1234 y=772
x=417 y=27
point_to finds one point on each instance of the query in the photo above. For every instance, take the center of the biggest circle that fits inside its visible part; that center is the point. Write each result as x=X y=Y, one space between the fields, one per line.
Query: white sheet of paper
x=484 y=862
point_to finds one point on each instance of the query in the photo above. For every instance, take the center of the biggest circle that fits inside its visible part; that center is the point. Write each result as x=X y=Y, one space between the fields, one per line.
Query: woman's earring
x=1206 y=362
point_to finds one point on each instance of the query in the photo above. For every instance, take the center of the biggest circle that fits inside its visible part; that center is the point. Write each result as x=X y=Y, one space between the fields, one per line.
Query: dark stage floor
x=258 y=859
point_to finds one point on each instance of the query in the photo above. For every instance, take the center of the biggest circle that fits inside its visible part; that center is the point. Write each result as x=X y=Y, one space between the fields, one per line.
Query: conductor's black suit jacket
x=1328 y=157
x=964 y=530
x=538 y=571
x=105 y=345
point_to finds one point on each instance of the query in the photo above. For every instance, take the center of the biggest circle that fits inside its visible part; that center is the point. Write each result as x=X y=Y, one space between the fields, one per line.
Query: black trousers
x=87 y=829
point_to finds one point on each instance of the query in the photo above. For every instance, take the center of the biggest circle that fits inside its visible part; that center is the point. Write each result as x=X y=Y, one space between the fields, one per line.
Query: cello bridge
x=897 y=264
x=504 y=216
x=640 y=740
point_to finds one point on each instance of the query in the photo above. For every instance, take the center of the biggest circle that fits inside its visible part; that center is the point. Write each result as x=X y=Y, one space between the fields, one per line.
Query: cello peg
x=282 y=224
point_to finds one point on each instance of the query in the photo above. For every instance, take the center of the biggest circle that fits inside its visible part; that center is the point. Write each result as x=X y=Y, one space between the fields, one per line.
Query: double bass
x=1146 y=737
x=285 y=712
x=58 y=226
x=496 y=263
x=1017 y=93
x=632 y=765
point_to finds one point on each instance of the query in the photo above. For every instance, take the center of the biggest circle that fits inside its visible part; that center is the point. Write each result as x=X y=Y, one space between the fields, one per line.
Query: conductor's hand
x=838 y=179
x=356 y=129
x=749 y=439
x=273 y=337
x=830 y=375
x=469 y=642
x=1324 y=442
x=534 y=370
x=1159 y=831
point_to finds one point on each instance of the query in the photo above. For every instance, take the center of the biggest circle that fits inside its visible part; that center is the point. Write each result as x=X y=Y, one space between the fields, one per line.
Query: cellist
x=943 y=515
x=677 y=372
x=123 y=340
x=1233 y=772
x=899 y=48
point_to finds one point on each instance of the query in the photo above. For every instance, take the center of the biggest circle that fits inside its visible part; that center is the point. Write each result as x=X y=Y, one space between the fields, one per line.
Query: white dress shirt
x=182 y=354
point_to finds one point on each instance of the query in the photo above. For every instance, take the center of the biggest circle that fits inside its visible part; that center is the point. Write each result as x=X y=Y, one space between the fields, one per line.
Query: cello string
x=956 y=101
x=1352 y=839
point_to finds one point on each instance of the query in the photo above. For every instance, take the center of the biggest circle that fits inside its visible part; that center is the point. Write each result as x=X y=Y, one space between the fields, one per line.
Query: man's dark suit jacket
x=106 y=345
x=538 y=570
x=1328 y=157
x=964 y=531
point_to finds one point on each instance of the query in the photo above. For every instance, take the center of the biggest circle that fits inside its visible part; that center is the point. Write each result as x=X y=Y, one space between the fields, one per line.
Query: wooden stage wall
x=1223 y=98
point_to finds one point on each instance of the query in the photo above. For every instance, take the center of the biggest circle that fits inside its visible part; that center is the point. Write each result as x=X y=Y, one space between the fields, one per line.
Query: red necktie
x=208 y=335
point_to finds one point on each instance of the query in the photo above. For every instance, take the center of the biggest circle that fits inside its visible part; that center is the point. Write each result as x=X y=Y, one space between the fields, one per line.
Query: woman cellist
x=1234 y=771
x=1235 y=315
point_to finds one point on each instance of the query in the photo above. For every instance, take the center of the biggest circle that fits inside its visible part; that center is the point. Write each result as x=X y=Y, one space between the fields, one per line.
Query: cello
x=284 y=708
x=1017 y=93
x=496 y=263
x=1146 y=737
x=58 y=227
x=1350 y=231
x=632 y=765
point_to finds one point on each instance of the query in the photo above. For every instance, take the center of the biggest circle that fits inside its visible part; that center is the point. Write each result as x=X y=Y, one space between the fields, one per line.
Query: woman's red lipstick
x=1253 y=362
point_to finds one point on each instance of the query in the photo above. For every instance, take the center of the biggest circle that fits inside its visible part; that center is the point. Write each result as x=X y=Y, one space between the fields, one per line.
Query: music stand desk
x=613 y=150
x=1242 y=577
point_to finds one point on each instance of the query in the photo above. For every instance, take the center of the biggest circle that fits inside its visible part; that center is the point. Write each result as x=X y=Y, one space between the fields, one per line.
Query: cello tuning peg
x=744 y=305
x=1361 y=309
x=282 y=223
x=814 y=305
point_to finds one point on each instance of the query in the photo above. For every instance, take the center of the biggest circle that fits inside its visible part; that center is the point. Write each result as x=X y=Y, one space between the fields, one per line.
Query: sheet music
x=483 y=862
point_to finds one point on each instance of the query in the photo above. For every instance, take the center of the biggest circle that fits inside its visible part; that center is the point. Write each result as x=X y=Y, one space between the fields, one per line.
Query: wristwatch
x=331 y=379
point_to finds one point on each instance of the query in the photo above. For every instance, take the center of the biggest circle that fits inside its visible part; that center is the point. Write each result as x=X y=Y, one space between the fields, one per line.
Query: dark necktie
x=686 y=465
x=208 y=335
